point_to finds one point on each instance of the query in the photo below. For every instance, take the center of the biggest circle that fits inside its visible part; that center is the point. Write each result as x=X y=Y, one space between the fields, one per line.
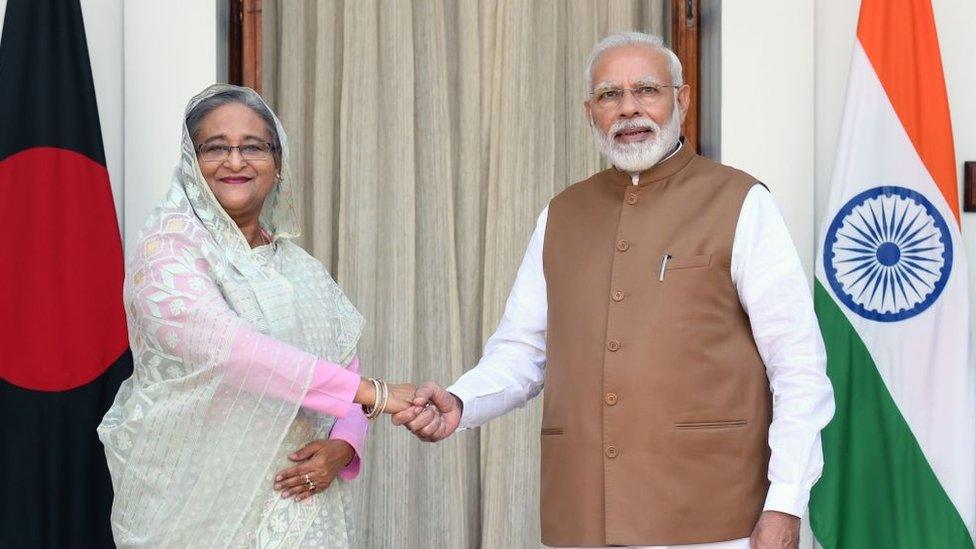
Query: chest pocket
x=687 y=290
x=688 y=262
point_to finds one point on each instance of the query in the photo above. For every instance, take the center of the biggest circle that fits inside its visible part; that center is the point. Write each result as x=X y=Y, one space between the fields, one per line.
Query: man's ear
x=588 y=113
x=684 y=100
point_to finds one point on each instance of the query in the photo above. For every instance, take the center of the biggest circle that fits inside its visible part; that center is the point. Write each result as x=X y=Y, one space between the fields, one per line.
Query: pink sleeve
x=351 y=428
x=333 y=388
x=194 y=319
x=252 y=361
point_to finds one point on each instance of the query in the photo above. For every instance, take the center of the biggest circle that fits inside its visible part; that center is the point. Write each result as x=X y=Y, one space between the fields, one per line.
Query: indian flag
x=892 y=298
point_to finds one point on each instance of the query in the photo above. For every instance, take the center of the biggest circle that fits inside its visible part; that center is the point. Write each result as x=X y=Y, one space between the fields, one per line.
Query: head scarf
x=191 y=449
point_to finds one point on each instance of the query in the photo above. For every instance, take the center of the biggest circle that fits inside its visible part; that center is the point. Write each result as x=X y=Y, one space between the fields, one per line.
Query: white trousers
x=742 y=543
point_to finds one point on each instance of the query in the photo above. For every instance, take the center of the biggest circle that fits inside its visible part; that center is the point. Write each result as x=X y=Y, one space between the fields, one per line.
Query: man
x=664 y=307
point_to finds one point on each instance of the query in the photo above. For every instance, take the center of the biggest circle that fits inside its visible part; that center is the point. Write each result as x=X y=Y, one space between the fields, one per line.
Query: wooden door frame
x=245 y=34
x=685 y=38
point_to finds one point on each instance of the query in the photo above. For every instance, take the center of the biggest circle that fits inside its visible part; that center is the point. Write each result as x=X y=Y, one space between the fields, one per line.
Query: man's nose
x=629 y=107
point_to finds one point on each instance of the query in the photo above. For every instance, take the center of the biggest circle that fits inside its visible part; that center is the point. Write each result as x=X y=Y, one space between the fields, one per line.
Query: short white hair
x=619 y=39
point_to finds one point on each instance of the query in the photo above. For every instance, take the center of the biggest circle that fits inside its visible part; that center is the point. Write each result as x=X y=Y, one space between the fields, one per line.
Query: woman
x=245 y=350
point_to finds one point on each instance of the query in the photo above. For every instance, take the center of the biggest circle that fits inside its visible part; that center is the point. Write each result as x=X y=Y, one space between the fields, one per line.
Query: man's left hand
x=776 y=530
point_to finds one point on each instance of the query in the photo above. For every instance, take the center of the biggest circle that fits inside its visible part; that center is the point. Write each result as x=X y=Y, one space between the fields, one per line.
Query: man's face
x=635 y=128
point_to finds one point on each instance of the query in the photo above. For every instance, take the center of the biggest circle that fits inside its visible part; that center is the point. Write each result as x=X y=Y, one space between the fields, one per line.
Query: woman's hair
x=243 y=97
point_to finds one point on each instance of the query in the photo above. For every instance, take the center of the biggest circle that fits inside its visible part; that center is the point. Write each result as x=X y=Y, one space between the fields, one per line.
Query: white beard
x=637 y=157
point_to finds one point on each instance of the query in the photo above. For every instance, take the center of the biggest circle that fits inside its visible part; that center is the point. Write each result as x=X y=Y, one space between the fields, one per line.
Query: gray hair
x=619 y=39
x=242 y=96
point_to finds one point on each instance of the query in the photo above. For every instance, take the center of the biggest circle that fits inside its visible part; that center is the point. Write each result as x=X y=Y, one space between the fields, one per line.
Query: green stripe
x=877 y=489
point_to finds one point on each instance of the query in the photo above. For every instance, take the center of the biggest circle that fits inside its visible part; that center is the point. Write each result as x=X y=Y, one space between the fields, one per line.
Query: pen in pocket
x=664 y=266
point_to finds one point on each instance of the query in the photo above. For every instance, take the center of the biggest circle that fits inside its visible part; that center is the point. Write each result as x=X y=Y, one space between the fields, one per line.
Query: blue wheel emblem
x=888 y=254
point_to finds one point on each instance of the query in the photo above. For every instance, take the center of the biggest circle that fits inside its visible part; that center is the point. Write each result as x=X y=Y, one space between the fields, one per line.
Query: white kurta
x=774 y=292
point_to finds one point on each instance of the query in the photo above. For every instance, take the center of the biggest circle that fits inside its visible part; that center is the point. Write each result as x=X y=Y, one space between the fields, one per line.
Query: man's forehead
x=627 y=64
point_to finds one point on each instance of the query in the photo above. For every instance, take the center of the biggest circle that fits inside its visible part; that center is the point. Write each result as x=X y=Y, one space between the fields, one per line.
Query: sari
x=225 y=339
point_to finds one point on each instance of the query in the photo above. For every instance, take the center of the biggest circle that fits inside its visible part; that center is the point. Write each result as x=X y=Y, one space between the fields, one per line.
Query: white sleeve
x=512 y=370
x=775 y=293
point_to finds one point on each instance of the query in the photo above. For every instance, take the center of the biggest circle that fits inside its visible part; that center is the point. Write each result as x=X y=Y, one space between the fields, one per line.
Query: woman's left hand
x=320 y=462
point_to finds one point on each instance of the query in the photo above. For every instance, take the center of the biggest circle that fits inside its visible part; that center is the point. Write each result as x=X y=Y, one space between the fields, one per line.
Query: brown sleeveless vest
x=657 y=405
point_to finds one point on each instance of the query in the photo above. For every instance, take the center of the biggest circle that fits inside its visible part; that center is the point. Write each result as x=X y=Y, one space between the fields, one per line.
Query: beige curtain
x=427 y=137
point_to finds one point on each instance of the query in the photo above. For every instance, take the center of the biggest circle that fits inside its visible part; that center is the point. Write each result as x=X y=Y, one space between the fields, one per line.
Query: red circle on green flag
x=62 y=321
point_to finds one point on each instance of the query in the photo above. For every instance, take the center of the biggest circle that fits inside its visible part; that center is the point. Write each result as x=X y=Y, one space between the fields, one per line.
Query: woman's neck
x=251 y=230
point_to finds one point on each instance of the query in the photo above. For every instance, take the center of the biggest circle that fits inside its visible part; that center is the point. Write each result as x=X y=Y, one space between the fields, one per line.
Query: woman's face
x=243 y=178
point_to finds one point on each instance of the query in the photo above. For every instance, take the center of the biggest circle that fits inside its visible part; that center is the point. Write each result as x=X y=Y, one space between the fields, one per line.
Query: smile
x=237 y=180
x=633 y=135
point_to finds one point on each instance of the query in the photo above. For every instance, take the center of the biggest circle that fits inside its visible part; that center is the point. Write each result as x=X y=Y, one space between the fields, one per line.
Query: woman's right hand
x=400 y=397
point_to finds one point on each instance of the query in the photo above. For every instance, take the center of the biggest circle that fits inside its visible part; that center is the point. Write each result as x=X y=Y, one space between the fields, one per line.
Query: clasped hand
x=434 y=415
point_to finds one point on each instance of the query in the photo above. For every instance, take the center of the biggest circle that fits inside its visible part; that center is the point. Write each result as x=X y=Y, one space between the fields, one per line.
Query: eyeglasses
x=256 y=152
x=647 y=95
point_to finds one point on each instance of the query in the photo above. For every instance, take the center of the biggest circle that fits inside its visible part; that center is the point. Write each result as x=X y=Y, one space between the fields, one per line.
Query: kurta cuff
x=470 y=415
x=346 y=430
x=332 y=390
x=787 y=498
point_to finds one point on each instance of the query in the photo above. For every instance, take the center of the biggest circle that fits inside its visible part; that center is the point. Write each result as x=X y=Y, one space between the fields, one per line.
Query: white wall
x=836 y=24
x=768 y=104
x=170 y=51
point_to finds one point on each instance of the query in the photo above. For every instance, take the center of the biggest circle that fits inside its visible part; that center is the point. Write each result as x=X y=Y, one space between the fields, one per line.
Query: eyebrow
x=606 y=84
x=222 y=137
x=612 y=84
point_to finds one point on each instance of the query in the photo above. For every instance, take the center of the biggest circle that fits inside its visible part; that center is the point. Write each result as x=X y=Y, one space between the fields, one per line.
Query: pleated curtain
x=427 y=138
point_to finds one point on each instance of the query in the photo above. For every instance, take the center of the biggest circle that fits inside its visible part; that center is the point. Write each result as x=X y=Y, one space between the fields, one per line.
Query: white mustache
x=633 y=124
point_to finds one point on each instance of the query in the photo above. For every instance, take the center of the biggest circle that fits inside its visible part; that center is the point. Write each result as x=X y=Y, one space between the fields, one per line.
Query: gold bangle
x=386 y=396
x=378 y=403
x=372 y=412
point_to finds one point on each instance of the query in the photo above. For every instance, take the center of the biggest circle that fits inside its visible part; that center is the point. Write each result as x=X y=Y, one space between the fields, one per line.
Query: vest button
x=612 y=452
x=623 y=245
x=610 y=399
x=617 y=296
x=613 y=345
x=631 y=199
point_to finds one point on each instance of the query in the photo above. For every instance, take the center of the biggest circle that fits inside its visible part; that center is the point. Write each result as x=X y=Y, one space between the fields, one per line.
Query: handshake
x=433 y=413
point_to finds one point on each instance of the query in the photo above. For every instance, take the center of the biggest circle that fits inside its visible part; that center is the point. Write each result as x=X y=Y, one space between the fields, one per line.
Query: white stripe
x=924 y=360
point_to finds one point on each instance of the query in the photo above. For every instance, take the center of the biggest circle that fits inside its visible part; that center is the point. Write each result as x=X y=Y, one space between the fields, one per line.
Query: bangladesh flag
x=63 y=343
x=893 y=302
